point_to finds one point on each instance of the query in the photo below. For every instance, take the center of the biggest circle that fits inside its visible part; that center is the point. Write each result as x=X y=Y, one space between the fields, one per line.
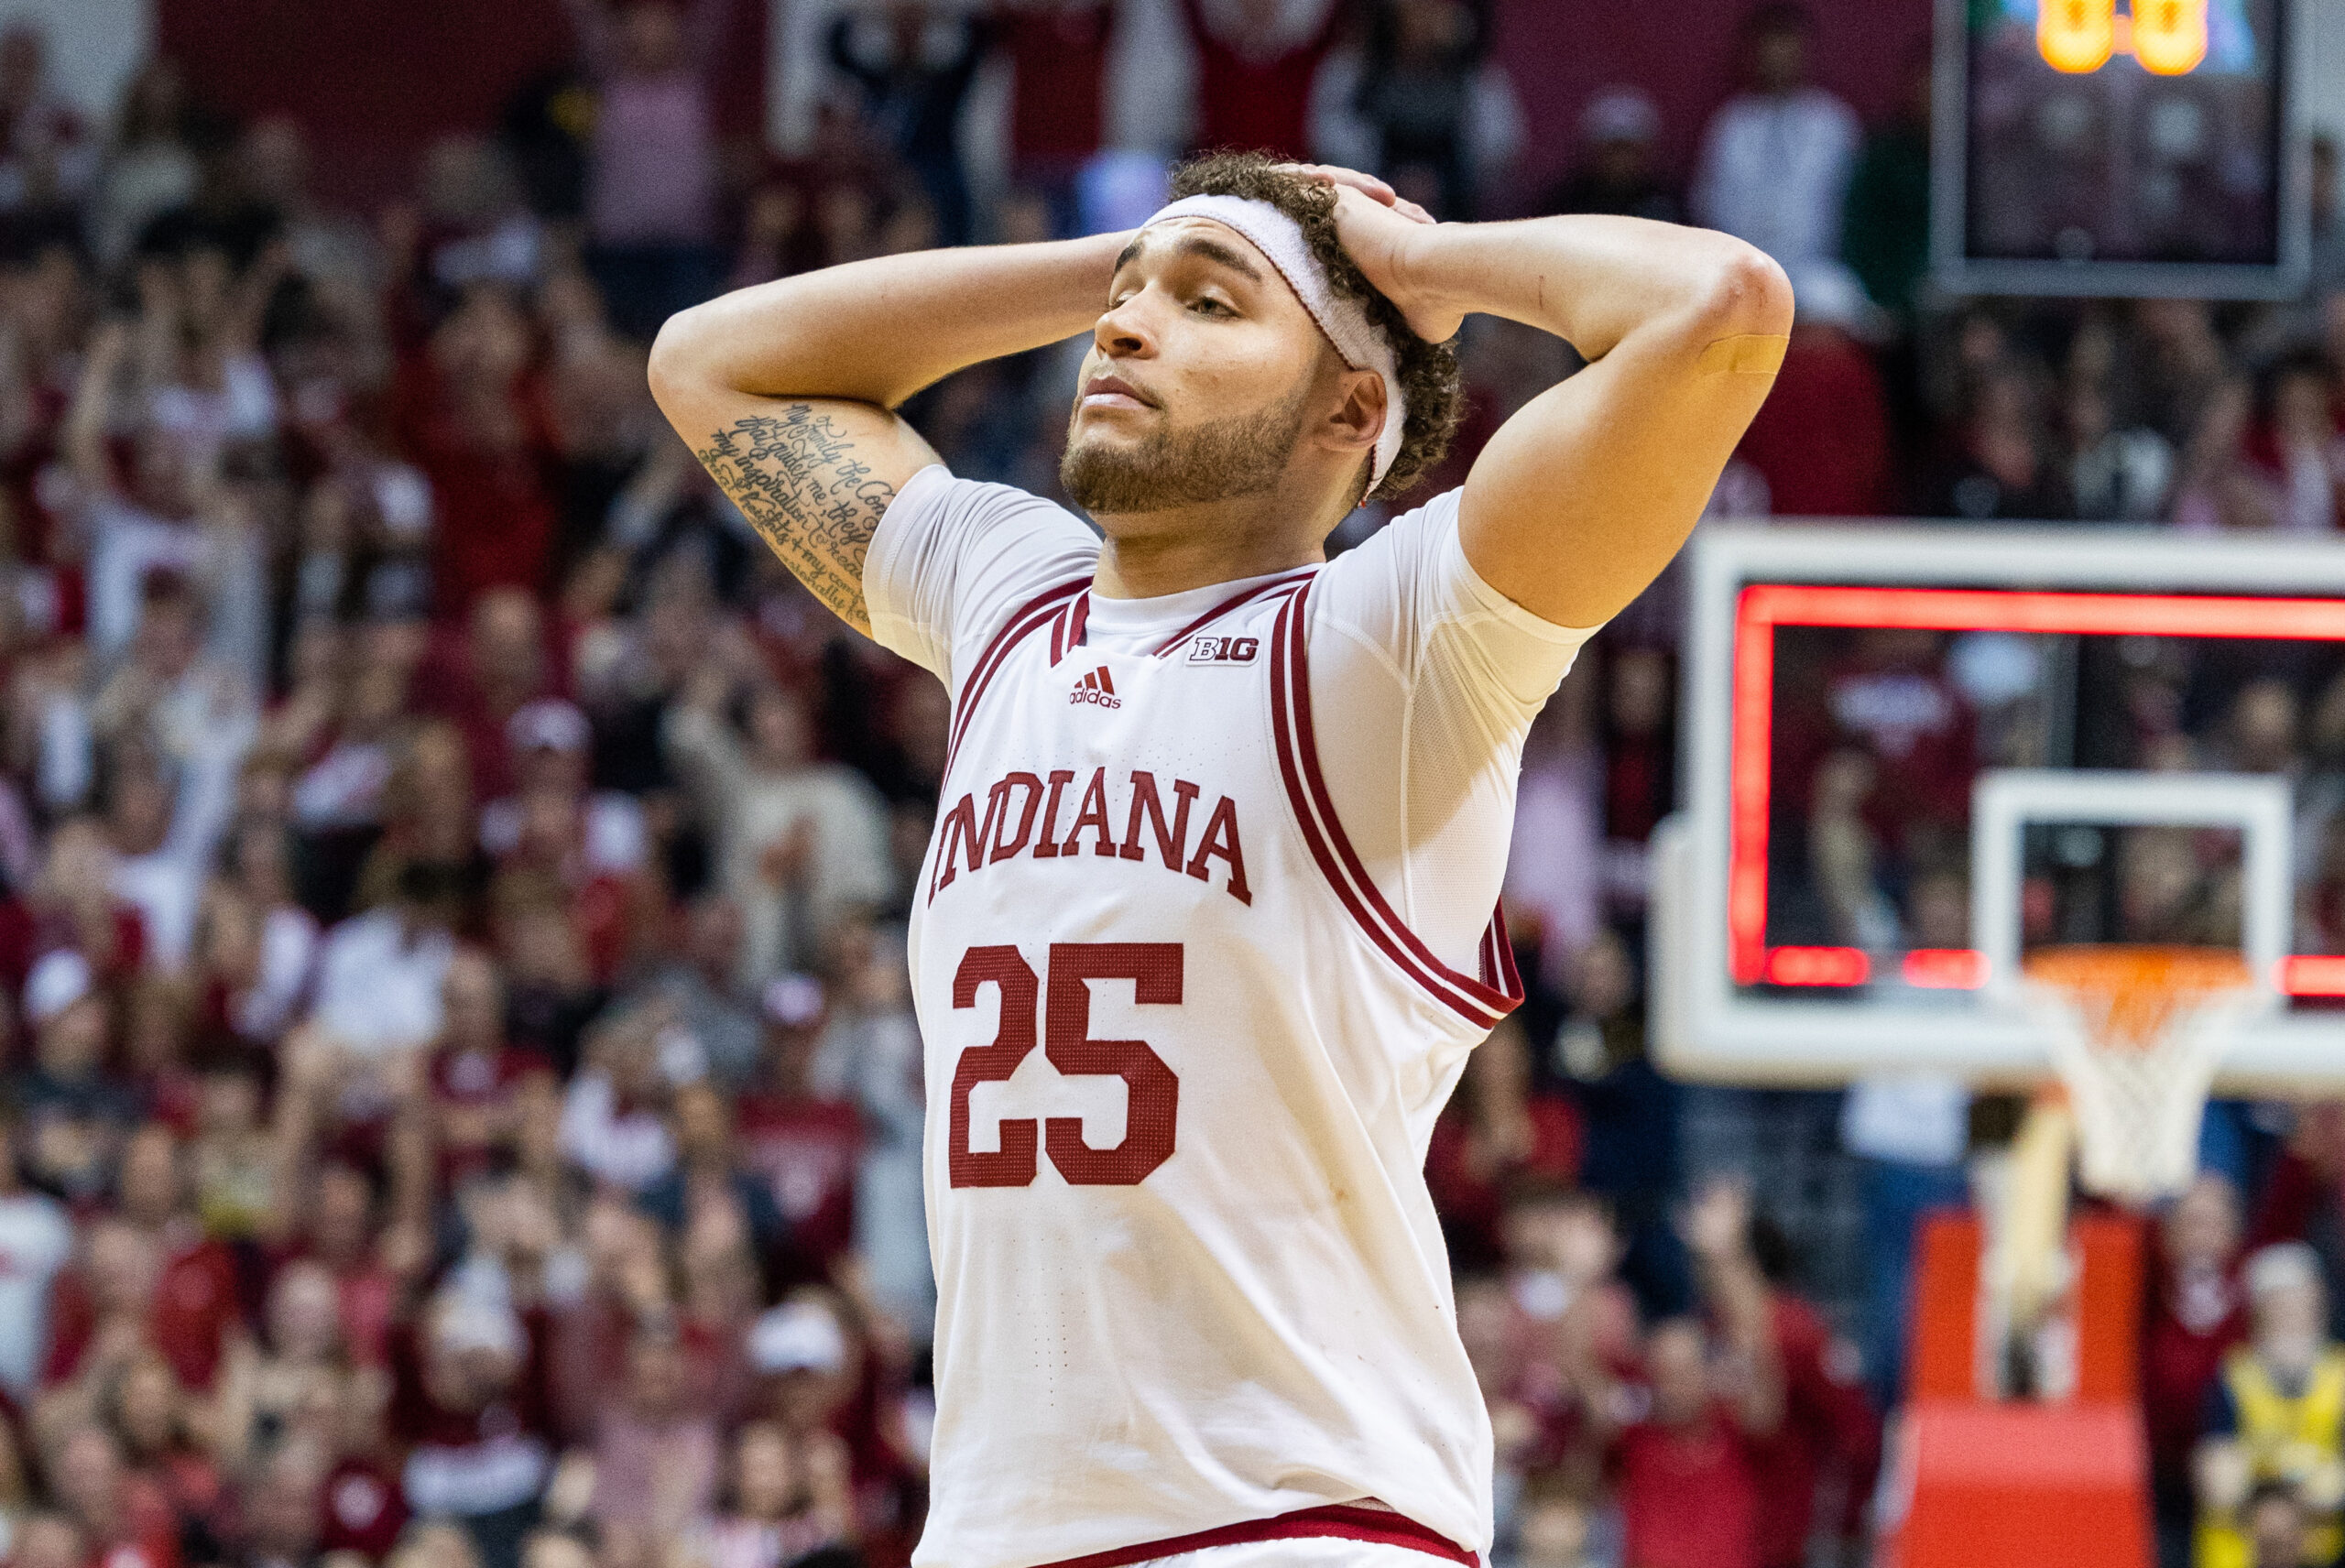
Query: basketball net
x=2136 y=1035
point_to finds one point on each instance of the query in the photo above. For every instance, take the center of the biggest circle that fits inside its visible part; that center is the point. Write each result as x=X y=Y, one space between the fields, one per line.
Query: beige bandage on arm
x=1747 y=354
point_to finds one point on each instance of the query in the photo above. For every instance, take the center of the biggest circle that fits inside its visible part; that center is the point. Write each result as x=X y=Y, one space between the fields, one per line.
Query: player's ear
x=1359 y=418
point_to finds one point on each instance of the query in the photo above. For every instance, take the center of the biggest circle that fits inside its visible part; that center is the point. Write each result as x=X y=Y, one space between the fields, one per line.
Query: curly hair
x=1428 y=371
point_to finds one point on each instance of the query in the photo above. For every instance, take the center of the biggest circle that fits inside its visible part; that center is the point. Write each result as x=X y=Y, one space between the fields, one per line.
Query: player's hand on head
x=1366 y=184
x=1378 y=237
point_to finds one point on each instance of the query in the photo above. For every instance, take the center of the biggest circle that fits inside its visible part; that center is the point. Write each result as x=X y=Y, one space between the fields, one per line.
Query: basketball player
x=1206 y=932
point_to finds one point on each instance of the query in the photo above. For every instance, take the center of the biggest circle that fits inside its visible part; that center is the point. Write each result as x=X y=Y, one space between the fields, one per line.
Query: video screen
x=2102 y=134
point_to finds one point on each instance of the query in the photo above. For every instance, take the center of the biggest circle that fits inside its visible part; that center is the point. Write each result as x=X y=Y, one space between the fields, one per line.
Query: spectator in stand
x=2216 y=489
x=42 y=138
x=783 y=1507
x=1554 y=1530
x=480 y=1083
x=380 y=975
x=1690 y=1470
x=1496 y=1132
x=656 y=1454
x=468 y=413
x=1821 y=440
x=149 y=168
x=651 y=168
x=89 y=1483
x=915 y=65
x=698 y=987
x=801 y=843
x=329 y=250
x=1825 y=1456
x=1885 y=237
x=2277 y=1413
x=2297 y=447
x=2196 y=1314
x=1775 y=159
x=2278 y=1527
x=160 y=1281
x=2303 y=1199
x=710 y=1172
x=36 y=1244
x=1629 y=1110
x=470 y=1404
x=2000 y=465
x=612 y=1125
x=1256 y=59
x=1441 y=117
x=2114 y=475
x=873 y=1054
x=172 y=515
x=803 y=1144
x=1058 y=52
x=1617 y=171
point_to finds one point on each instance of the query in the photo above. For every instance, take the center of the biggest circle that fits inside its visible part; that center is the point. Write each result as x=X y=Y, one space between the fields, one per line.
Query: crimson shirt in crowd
x=478 y=1080
x=806 y=1150
x=2193 y=1322
x=1472 y=1201
x=1058 y=57
x=1821 y=440
x=492 y=518
x=195 y=1305
x=468 y=1463
x=1828 y=1423
x=1689 y=1495
x=1245 y=101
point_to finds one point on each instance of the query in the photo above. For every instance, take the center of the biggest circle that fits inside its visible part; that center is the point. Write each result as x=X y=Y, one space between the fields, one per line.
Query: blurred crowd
x=462 y=1102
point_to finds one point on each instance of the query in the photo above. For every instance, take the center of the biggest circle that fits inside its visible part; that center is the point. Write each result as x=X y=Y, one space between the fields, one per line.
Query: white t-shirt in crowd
x=36 y=1240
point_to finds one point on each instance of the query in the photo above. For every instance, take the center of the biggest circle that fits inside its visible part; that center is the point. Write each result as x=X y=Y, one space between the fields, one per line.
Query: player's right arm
x=787 y=391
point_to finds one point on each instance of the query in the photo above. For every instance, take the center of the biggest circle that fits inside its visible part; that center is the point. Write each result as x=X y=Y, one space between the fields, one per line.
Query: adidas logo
x=1096 y=689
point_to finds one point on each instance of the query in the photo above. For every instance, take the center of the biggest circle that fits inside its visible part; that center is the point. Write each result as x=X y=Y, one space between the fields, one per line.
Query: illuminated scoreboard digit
x=2170 y=35
x=2077 y=35
x=2165 y=37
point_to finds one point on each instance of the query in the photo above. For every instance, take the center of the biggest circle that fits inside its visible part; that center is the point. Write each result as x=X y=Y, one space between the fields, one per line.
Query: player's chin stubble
x=1217 y=461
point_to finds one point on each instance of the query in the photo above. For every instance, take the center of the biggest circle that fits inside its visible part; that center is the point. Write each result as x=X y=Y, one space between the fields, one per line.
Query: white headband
x=1345 y=322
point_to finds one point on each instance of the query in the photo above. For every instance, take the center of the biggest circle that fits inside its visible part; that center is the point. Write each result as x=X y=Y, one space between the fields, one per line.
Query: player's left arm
x=1581 y=498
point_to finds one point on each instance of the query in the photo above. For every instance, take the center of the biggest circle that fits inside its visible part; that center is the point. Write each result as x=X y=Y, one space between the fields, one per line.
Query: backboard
x=1914 y=753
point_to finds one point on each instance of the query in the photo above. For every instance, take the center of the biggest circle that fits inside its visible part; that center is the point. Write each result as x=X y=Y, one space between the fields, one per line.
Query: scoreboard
x=2102 y=147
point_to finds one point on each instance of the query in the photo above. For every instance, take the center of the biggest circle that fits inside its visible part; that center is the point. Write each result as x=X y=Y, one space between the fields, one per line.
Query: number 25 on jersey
x=1154 y=1104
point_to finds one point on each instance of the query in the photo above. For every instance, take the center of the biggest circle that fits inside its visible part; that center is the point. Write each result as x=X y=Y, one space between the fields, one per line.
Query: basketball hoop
x=2136 y=1034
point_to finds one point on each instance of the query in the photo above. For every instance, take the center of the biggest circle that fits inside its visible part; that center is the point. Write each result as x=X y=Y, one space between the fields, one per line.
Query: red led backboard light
x=1763 y=607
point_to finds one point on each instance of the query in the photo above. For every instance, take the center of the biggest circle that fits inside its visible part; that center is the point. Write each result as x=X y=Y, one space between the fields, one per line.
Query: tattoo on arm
x=795 y=476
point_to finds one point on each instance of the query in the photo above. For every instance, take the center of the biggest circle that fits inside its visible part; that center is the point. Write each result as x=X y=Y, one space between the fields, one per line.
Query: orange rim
x=2132 y=991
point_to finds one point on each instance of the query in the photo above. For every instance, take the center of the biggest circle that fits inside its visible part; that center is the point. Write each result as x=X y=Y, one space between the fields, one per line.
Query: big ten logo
x=1209 y=649
x=2167 y=38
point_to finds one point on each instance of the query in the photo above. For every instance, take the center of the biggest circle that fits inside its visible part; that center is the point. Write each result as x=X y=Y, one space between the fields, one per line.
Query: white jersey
x=1183 y=1055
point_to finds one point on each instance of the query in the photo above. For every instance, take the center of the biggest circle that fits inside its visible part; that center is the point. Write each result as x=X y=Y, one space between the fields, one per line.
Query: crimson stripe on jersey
x=1501 y=1001
x=1013 y=628
x=1078 y=616
x=1202 y=621
x=1315 y=810
x=1509 y=978
x=1022 y=621
x=1338 y=1523
x=1305 y=815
